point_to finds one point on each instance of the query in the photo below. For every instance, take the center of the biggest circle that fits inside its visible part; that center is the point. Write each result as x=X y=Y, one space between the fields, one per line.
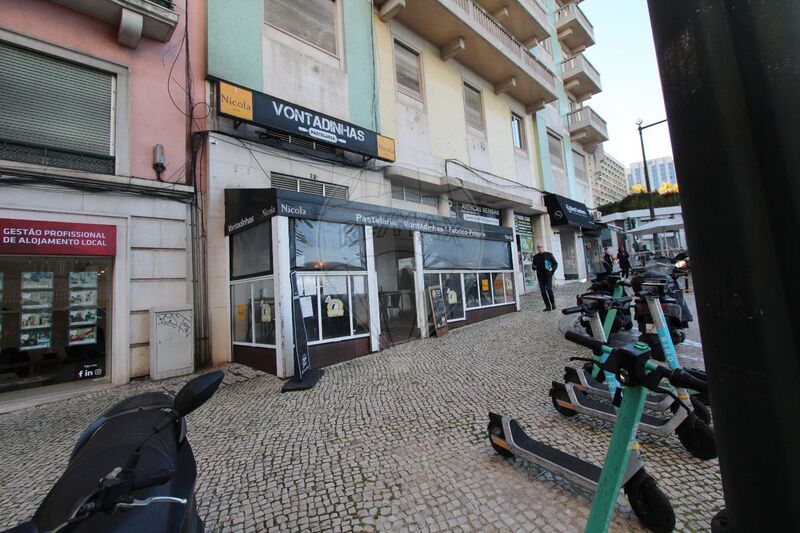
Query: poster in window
x=43 y=319
x=37 y=280
x=82 y=335
x=484 y=284
x=37 y=299
x=83 y=317
x=452 y=296
x=34 y=339
x=82 y=298
x=266 y=312
x=334 y=307
x=83 y=280
x=306 y=307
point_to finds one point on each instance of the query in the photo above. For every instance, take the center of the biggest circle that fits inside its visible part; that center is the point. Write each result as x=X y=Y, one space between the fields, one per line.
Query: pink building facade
x=96 y=192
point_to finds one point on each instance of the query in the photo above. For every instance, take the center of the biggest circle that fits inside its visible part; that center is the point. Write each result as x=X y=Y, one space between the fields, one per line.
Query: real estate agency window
x=473 y=106
x=313 y=21
x=407 y=70
x=55 y=112
x=518 y=131
x=556 y=150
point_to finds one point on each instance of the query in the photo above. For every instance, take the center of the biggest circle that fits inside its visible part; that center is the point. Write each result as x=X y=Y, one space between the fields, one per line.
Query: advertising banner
x=36 y=237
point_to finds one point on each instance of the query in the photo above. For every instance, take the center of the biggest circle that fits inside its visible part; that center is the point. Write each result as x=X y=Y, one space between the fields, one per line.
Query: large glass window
x=253 y=312
x=319 y=245
x=54 y=320
x=334 y=306
x=407 y=70
x=471 y=290
x=313 y=21
x=453 y=296
x=485 y=287
x=251 y=252
x=443 y=252
x=499 y=287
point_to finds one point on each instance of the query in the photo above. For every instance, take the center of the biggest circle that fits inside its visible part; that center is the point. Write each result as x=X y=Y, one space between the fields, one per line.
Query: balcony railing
x=580 y=77
x=587 y=127
x=526 y=20
x=574 y=29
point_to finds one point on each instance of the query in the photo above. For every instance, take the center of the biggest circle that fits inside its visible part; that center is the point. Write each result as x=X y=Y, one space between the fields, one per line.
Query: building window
x=313 y=21
x=335 y=305
x=408 y=194
x=579 y=164
x=56 y=112
x=319 y=245
x=473 y=106
x=407 y=70
x=518 y=131
x=253 y=312
x=556 y=150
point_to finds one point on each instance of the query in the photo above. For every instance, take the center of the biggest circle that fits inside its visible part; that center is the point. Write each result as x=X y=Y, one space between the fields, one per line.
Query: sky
x=624 y=55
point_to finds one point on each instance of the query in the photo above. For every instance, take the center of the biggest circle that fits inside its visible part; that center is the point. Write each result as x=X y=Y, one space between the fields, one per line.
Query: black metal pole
x=647 y=179
x=729 y=70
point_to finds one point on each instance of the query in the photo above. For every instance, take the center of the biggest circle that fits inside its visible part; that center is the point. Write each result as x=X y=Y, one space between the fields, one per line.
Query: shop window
x=471 y=292
x=253 y=312
x=334 y=306
x=485 y=289
x=54 y=320
x=499 y=288
x=453 y=296
x=443 y=252
x=251 y=252
x=473 y=106
x=313 y=21
x=318 y=245
x=407 y=70
x=56 y=112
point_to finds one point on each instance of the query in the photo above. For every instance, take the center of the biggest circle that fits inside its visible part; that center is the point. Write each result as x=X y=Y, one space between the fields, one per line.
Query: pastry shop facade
x=351 y=278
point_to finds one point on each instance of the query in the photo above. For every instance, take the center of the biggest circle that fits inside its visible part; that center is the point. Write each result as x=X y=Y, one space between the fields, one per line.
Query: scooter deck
x=580 y=467
x=590 y=403
x=651 y=399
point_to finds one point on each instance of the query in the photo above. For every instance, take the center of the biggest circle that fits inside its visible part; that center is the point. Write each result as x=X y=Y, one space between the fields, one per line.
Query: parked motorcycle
x=131 y=470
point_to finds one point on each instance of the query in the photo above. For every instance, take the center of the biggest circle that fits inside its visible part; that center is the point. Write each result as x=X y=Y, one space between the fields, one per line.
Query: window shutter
x=580 y=167
x=407 y=67
x=556 y=151
x=472 y=104
x=49 y=102
x=313 y=21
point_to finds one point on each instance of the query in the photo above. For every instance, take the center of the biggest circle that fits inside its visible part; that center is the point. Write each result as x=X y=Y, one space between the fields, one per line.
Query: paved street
x=395 y=441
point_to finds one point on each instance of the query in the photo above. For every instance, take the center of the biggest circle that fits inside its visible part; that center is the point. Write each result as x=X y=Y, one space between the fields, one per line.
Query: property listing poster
x=82 y=308
x=36 y=319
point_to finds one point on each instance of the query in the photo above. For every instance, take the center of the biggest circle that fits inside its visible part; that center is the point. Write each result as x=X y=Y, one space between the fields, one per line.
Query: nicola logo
x=235 y=101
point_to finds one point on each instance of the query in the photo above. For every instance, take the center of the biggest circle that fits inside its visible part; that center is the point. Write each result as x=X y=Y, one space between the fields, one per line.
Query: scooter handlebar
x=583 y=340
x=572 y=310
x=683 y=379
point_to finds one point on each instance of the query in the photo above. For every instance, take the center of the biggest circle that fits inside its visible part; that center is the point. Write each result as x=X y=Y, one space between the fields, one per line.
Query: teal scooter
x=623 y=467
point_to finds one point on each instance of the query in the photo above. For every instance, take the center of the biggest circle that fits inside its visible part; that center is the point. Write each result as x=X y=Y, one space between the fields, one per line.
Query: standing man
x=608 y=261
x=624 y=259
x=545 y=265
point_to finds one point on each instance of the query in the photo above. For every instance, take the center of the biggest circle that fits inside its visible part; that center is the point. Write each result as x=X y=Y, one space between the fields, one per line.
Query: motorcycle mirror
x=196 y=392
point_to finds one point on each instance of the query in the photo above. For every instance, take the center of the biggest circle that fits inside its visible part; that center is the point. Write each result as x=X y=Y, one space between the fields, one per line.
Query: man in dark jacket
x=545 y=265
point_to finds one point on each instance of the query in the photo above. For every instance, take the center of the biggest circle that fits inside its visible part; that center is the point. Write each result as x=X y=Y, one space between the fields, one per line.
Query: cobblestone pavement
x=395 y=441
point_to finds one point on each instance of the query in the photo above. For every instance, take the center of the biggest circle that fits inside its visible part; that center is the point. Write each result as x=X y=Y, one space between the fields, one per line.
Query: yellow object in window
x=452 y=297
x=266 y=312
x=485 y=285
x=334 y=307
x=239 y=311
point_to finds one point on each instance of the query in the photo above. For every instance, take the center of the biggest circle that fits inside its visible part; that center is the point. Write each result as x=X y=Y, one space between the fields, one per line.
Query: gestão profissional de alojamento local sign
x=39 y=237
x=265 y=110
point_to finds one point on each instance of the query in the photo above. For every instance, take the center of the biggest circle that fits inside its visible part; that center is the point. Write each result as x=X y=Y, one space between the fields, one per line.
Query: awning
x=662 y=224
x=564 y=211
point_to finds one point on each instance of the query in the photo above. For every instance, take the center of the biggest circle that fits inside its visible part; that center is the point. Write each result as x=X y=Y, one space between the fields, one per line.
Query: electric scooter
x=623 y=467
x=694 y=434
x=131 y=470
x=591 y=380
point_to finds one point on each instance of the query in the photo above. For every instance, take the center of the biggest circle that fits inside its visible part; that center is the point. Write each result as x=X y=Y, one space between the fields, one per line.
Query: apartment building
x=94 y=192
x=609 y=182
x=661 y=170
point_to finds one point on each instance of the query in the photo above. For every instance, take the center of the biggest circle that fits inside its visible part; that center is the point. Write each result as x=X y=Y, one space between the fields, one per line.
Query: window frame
x=252 y=281
x=551 y=134
x=349 y=274
x=471 y=86
x=316 y=51
x=120 y=104
x=462 y=273
x=397 y=43
x=522 y=132
x=263 y=273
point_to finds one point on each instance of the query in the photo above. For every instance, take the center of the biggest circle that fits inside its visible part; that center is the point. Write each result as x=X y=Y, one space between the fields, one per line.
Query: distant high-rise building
x=662 y=170
x=608 y=182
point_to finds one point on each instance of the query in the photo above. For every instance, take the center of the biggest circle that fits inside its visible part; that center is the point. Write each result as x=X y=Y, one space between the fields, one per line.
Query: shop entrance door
x=593 y=262
x=569 y=254
x=394 y=264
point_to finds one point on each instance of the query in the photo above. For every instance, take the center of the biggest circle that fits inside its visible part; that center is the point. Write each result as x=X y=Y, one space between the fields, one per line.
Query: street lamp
x=647 y=176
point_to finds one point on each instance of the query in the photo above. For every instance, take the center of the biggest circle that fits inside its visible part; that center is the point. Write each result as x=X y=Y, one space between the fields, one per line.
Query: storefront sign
x=244 y=208
x=439 y=311
x=564 y=211
x=475 y=213
x=265 y=110
x=35 y=237
x=523 y=224
x=302 y=359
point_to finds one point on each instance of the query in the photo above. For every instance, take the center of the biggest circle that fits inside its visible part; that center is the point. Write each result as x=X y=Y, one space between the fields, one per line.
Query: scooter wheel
x=496 y=430
x=678 y=335
x=650 y=505
x=560 y=395
x=700 y=410
x=697 y=438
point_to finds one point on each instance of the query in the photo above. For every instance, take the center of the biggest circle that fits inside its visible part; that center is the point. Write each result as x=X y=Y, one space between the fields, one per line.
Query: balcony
x=574 y=29
x=133 y=18
x=580 y=77
x=464 y=30
x=526 y=20
x=587 y=128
